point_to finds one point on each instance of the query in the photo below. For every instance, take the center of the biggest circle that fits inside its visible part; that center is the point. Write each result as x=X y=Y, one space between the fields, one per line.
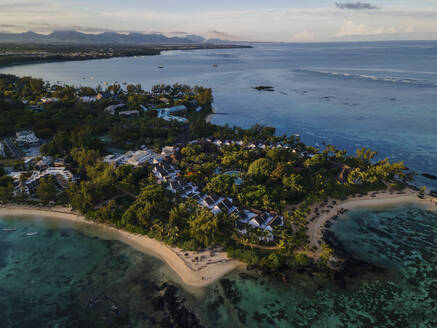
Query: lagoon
x=68 y=276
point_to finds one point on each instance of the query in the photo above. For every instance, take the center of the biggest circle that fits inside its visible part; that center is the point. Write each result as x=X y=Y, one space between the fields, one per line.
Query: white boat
x=31 y=233
x=9 y=229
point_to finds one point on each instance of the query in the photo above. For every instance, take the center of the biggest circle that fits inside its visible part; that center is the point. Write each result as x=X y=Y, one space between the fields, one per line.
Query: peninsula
x=148 y=166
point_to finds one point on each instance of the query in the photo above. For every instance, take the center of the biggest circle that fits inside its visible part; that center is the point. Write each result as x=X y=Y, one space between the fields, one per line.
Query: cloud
x=22 y=4
x=303 y=36
x=178 y=33
x=355 y=6
x=47 y=27
x=349 y=28
x=214 y=34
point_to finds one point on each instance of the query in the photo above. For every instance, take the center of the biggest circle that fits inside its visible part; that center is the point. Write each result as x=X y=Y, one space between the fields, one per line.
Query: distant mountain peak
x=72 y=36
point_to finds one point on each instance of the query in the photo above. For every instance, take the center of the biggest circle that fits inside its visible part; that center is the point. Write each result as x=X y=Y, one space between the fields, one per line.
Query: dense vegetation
x=281 y=179
x=17 y=53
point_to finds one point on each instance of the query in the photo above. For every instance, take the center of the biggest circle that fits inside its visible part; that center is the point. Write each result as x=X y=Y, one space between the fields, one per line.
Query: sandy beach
x=197 y=269
x=210 y=116
x=380 y=199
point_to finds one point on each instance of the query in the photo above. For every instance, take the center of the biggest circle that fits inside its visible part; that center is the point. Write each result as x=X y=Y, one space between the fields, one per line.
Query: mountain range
x=69 y=37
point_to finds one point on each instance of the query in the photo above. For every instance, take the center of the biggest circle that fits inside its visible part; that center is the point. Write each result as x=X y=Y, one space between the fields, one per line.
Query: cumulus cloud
x=303 y=36
x=349 y=28
x=355 y=5
x=21 y=4
x=214 y=34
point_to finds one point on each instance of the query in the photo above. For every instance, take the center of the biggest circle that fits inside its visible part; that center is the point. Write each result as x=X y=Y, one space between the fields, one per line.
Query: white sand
x=383 y=199
x=208 y=269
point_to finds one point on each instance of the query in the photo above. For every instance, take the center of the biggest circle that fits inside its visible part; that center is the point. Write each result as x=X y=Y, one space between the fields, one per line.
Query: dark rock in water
x=264 y=88
x=158 y=302
x=250 y=267
x=247 y=276
x=259 y=317
x=242 y=315
x=429 y=176
x=152 y=286
x=163 y=286
x=180 y=316
x=231 y=293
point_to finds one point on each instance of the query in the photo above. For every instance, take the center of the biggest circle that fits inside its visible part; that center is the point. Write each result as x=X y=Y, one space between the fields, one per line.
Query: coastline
x=210 y=266
x=155 y=50
x=380 y=200
x=211 y=115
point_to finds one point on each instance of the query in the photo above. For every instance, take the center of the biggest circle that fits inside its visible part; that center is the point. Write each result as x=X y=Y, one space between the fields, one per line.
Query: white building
x=49 y=100
x=26 y=138
x=87 y=99
x=168 y=151
x=111 y=109
x=113 y=159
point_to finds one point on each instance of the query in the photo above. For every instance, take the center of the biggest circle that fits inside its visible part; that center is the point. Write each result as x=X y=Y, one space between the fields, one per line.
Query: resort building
x=44 y=163
x=168 y=151
x=111 y=109
x=259 y=220
x=113 y=159
x=62 y=176
x=87 y=99
x=26 y=138
x=59 y=162
x=49 y=100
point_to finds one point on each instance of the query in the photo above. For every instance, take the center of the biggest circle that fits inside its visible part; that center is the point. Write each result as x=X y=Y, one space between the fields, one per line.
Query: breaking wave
x=389 y=79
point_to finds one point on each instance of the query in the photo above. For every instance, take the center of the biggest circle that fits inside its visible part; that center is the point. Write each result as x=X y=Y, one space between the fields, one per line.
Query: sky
x=248 y=20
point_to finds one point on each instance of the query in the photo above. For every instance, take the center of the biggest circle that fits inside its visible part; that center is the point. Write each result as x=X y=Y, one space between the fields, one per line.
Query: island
x=264 y=88
x=150 y=167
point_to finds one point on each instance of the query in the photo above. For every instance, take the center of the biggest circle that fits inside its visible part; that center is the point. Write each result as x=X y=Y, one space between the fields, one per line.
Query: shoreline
x=383 y=199
x=210 y=265
x=210 y=115
x=157 y=48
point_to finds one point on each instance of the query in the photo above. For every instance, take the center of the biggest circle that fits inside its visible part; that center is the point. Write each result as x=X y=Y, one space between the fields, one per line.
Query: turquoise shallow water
x=402 y=241
x=65 y=277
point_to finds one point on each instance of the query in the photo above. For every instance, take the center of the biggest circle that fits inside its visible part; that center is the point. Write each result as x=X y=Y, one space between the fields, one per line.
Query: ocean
x=71 y=276
x=381 y=95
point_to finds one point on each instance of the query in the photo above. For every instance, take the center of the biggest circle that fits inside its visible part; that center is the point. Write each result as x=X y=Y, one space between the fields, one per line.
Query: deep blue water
x=53 y=278
x=382 y=94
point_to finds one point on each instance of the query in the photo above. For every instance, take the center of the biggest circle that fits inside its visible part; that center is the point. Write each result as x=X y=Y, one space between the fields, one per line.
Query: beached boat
x=31 y=233
x=9 y=229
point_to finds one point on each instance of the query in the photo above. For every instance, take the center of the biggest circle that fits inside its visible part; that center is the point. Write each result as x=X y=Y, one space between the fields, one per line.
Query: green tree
x=46 y=190
x=261 y=168
x=204 y=227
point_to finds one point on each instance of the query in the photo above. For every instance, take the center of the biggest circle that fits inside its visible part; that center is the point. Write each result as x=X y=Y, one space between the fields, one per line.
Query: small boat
x=9 y=229
x=161 y=67
x=215 y=65
x=31 y=233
